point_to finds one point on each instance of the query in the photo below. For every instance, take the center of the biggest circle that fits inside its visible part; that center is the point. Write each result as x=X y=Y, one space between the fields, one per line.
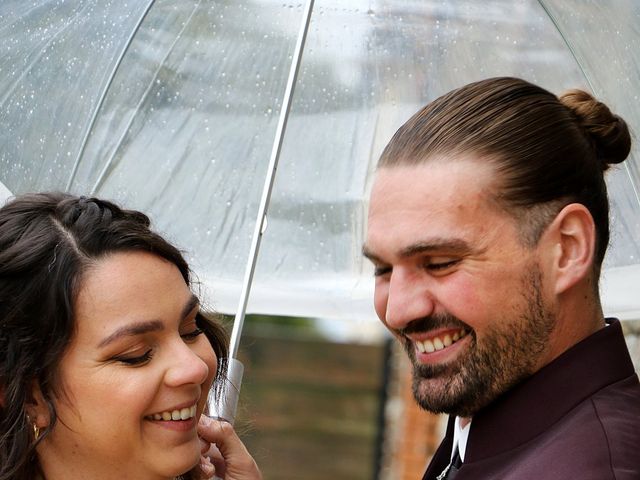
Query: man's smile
x=439 y=341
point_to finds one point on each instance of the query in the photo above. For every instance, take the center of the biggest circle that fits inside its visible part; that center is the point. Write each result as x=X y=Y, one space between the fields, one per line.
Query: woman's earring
x=36 y=429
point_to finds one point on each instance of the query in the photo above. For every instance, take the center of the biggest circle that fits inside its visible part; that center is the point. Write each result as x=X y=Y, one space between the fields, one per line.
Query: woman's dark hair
x=548 y=151
x=47 y=240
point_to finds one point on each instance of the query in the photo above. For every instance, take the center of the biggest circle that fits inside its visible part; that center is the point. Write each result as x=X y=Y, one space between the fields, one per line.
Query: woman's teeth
x=438 y=343
x=182 y=414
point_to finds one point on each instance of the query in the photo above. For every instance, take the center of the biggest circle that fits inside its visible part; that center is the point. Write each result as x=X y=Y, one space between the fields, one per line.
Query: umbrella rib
x=589 y=82
x=566 y=42
x=107 y=167
x=103 y=94
x=261 y=220
x=45 y=44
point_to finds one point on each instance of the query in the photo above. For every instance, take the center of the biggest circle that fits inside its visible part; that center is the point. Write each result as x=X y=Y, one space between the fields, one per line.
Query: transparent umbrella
x=171 y=107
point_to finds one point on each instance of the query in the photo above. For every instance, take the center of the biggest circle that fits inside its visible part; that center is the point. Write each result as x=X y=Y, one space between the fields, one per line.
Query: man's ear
x=572 y=238
x=37 y=407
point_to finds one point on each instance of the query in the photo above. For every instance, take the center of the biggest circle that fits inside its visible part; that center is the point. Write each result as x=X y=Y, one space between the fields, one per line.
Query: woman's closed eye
x=135 y=361
x=192 y=329
x=192 y=334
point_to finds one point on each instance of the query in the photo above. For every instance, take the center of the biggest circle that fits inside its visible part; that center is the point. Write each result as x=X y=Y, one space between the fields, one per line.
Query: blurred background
x=171 y=107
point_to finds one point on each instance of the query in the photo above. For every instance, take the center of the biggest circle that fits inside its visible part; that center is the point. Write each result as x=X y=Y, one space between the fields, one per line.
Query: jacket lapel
x=442 y=457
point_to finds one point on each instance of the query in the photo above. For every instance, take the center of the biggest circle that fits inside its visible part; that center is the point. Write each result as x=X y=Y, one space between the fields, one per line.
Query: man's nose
x=408 y=299
x=187 y=367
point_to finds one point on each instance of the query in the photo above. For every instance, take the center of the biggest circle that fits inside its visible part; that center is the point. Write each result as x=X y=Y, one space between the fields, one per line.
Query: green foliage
x=275 y=325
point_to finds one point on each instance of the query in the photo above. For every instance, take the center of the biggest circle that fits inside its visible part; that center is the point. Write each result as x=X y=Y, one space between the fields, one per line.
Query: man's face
x=455 y=284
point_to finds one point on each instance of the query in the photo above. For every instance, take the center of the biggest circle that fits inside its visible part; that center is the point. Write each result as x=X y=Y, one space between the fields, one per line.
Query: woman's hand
x=224 y=454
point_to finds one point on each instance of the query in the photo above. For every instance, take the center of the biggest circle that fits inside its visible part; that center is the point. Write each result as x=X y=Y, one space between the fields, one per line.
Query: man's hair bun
x=608 y=132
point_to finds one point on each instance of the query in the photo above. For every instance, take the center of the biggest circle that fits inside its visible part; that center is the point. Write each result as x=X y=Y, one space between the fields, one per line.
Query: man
x=488 y=225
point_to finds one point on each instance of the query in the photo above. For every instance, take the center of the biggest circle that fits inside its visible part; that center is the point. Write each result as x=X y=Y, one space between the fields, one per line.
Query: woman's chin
x=180 y=461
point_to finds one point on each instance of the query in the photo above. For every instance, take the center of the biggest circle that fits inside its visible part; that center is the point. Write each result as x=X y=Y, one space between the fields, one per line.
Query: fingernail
x=204 y=421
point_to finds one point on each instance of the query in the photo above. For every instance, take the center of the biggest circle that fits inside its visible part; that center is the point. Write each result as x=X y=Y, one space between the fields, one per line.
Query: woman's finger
x=207 y=470
x=236 y=462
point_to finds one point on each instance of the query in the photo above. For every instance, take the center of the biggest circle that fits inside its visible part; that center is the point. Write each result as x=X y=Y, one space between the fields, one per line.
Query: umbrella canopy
x=171 y=107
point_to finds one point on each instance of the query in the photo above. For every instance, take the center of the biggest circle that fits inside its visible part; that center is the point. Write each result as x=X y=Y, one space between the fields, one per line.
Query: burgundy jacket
x=576 y=418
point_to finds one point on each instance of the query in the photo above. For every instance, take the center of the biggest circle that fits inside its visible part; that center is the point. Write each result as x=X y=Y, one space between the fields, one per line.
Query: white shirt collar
x=460 y=437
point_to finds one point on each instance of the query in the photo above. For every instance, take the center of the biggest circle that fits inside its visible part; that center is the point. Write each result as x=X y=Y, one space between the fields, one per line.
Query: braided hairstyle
x=548 y=151
x=46 y=242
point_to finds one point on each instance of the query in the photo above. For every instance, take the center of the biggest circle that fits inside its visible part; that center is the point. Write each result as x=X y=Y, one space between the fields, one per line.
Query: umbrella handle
x=225 y=407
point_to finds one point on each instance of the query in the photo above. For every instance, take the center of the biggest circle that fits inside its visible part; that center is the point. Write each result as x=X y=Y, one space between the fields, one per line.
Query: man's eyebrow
x=418 y=248
x=140 y=328
x=137 y=328
x=369 y=254
x=435 y=245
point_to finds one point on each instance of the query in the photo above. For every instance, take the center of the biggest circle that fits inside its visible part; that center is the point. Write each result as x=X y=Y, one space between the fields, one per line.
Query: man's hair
x=47 y=241
x=548 y=151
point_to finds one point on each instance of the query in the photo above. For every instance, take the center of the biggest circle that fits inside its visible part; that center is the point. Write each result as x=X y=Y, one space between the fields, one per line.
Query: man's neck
x=464 y=421
x=578 y=315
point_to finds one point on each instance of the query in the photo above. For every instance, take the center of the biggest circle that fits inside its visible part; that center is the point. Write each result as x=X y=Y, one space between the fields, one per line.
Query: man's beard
x=509 y=352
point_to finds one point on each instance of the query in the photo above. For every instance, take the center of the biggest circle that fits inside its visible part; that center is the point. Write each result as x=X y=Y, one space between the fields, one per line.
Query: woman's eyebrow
x=140 y=328
x=192 y=303
x=137 y=328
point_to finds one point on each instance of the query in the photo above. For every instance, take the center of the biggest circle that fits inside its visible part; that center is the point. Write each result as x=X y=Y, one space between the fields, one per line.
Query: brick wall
x=412 y=435
x=632 y=334
x=310 y=409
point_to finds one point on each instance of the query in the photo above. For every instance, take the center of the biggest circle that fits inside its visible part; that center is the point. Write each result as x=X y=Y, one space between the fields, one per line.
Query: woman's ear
x=571 y=239
x=37 y=407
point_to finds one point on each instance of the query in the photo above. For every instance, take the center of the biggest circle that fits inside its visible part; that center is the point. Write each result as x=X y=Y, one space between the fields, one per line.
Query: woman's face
x=135 y=377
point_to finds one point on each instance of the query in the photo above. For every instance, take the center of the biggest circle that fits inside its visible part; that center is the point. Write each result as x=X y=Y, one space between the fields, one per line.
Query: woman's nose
x=186 y=366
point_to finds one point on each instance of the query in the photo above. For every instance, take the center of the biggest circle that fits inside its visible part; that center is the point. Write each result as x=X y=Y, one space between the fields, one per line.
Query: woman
x=105 y=359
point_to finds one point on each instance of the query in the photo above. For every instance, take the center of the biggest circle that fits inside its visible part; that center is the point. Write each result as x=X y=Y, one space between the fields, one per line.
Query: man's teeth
x=438 y=343
x=182 y=414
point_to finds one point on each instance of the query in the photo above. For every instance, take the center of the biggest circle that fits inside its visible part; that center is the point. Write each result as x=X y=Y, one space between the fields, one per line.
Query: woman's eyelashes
x=193 y=331
x=136 y=360
x=193 y=328
x=193 y=334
